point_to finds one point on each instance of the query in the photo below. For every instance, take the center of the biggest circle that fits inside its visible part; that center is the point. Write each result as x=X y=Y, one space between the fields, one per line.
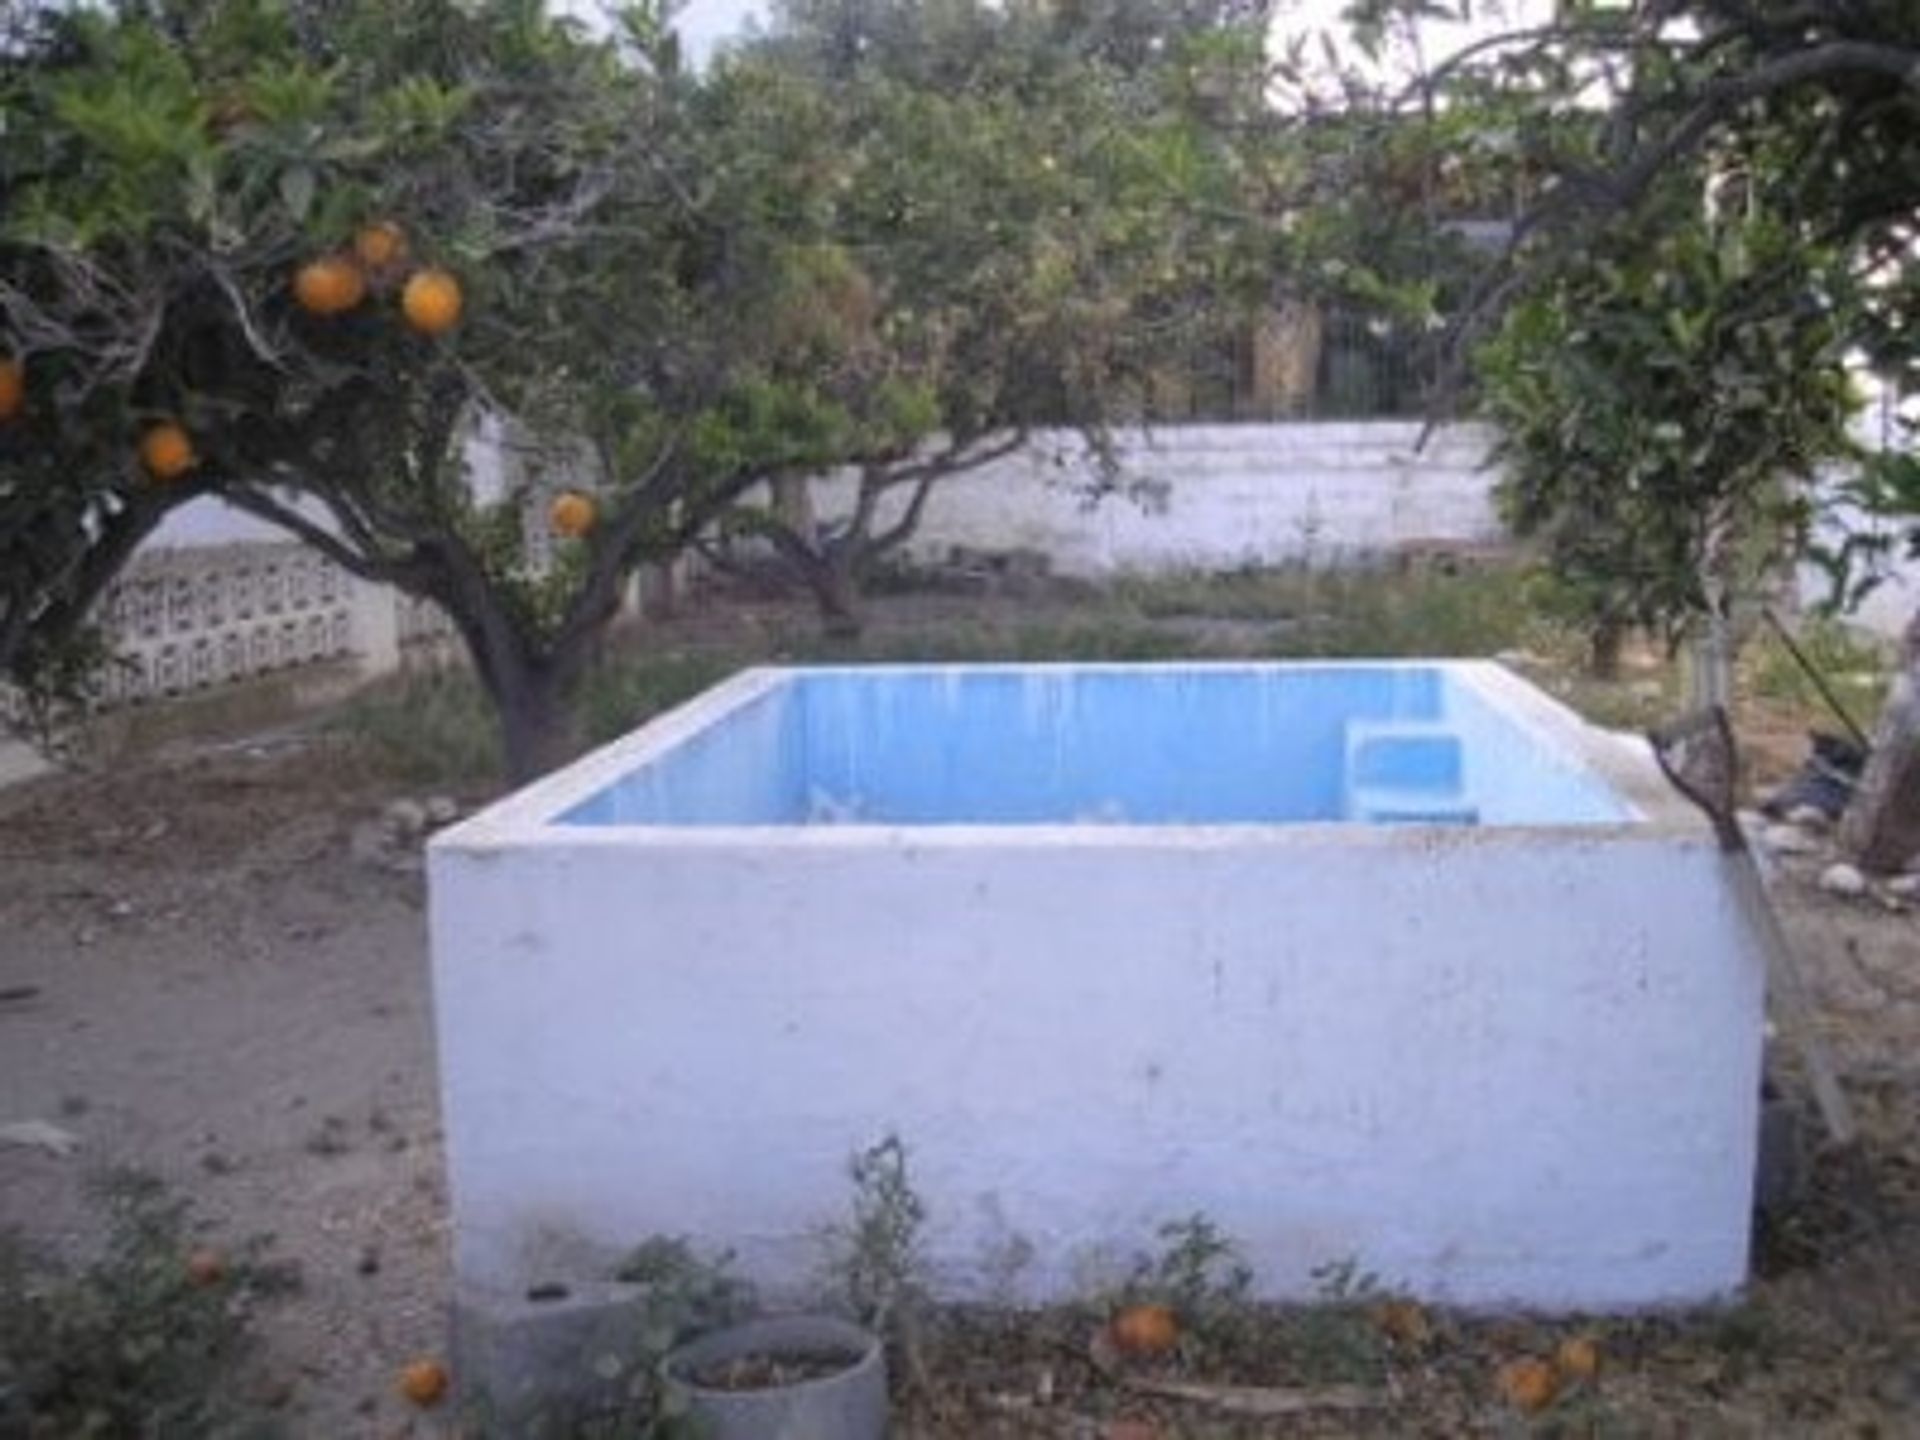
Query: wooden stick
x=1789 y=986
x=1700 y=759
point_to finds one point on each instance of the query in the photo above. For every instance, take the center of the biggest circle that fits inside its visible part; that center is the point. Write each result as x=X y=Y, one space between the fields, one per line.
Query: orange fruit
x=167 y=452
x=1404 y=1322
x=13 y=387
x=1145 y=1330
x=380 y=245
x=432 y=302
x=424 y=1382
x=1528 y=1385
x=571 y=514
x=1577 y=1357
x=206 y=1268
x=331 y=285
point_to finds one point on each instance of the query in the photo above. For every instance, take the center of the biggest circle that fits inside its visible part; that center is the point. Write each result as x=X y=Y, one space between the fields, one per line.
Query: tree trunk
x=1604 y=642
x=536 y=729
x=1709 y=679
x=793 y=503
x=836 y=593
x=529 y=693
x=1882 y=825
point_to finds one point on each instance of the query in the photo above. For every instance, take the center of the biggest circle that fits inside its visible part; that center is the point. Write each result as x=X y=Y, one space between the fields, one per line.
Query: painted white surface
x=1491 y=1065
x=1217 y=497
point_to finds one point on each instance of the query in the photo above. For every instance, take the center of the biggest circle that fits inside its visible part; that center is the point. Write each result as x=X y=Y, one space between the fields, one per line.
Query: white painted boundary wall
x=1217 y=497
x=192 y=618
x=1490 y=1065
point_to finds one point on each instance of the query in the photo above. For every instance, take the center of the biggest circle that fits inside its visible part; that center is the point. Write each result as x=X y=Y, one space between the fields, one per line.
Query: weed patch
x=143 y=1341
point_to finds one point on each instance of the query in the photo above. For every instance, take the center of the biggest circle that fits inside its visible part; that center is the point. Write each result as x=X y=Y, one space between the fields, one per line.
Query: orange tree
x=289 y=253
x=1023 y=216
x=992 y=230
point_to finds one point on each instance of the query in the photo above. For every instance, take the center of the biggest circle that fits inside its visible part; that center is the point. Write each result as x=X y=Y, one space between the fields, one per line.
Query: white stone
x=1843 y=879
x=39 y=1135
x=406 y=818
x=442 y=810
x=1790 y=840
x=1905 y=886
x=1810 y=817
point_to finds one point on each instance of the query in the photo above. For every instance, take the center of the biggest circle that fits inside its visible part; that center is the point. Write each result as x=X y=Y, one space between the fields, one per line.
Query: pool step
x=1406 y=773
x=1382 y=805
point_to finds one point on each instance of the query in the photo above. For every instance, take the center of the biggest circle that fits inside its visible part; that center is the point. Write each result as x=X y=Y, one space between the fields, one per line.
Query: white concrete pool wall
x=1491 y=1064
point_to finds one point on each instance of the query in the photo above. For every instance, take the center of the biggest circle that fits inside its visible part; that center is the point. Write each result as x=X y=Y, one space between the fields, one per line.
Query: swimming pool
x=1401 y=964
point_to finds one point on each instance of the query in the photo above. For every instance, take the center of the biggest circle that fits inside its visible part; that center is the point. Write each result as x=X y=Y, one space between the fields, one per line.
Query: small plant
x=1337 y=1339
x=685 y=1294
x=1343 y=1282
x=1197 y=1271
x=878 y=1260
x=141 y=1342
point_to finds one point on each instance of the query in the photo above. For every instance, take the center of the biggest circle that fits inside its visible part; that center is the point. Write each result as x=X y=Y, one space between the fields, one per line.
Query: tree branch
x=373 y=567
x=614 y=552
x=957 y=460
x=69 y=598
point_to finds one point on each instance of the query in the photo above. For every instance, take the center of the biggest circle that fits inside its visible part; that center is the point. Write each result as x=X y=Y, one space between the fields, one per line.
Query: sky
x=704 y=24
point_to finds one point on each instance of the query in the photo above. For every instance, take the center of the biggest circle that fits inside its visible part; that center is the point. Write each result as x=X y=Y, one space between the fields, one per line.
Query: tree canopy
x=1007 y=237
x=672 y=286
x=174 y=174
x=1795 y=126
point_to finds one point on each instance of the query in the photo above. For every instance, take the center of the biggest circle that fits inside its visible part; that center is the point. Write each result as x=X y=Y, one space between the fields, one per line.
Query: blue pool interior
x=1385 y=744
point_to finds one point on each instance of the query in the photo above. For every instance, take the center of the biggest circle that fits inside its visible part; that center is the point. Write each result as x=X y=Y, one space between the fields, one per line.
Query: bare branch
x=256 y=501
x=243 y=312
x=902 y=529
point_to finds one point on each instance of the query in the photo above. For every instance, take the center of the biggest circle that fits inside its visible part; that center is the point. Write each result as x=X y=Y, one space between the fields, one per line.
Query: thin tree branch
x=956 y=461
x=374 y=567
x=68 y=599
x=614 y=551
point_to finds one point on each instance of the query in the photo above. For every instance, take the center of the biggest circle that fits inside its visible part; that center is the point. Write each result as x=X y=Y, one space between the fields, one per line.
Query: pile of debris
x=1796 y=824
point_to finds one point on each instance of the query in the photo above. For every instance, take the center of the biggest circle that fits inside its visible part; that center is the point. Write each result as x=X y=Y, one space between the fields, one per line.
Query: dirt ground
x=209 y=985
x=203 y=975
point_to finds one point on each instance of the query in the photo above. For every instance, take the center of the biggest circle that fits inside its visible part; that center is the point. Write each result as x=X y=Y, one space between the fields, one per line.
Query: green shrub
x=130 y=1345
